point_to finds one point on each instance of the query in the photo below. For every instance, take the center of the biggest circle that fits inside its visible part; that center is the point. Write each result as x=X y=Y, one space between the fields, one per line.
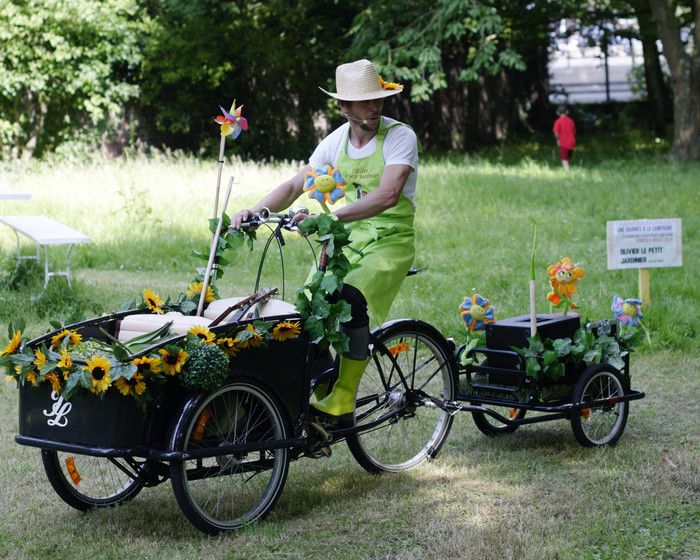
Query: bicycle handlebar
x=264 y=216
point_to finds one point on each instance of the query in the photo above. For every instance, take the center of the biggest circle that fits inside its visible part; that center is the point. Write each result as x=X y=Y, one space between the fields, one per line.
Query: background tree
x=67 y=71
x=678 y=25
x=271 y=56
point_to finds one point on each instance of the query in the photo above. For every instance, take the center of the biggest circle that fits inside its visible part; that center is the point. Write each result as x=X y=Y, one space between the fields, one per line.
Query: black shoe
x=330 y=421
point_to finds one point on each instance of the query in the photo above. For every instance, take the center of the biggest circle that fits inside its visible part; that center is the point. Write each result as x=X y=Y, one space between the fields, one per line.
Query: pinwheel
x=232 y=124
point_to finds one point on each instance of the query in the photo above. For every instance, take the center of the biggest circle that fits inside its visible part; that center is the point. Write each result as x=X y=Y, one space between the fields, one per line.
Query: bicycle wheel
x=228 y=491
x=85 y=482
x=419 y=428
x=491 y=427
x=602 y=425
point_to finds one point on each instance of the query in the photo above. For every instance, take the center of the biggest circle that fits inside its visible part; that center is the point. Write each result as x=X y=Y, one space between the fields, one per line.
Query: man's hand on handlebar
x=300 y=217
x=241 y=217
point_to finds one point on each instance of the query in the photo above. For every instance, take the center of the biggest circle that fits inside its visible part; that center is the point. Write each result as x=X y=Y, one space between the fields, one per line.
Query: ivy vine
x=317 y=301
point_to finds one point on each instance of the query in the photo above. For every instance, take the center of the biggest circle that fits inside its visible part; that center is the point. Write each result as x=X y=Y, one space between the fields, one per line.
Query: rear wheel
x=603 y=424
x=491 y=427
x=419 y=428
x=85 y=482
x=229 y=491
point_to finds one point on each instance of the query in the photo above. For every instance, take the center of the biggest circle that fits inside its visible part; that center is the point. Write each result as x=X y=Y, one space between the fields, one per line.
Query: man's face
x=369 y=110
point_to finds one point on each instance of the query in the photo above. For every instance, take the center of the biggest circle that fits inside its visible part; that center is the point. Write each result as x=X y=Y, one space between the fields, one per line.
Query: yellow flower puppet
x=563 y=277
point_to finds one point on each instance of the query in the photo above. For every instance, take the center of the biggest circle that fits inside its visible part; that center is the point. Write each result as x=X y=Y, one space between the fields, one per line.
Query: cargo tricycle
x=227 y=451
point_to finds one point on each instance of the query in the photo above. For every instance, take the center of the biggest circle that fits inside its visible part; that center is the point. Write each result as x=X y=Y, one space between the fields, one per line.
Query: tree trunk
x=656 y=89
x=684 y=64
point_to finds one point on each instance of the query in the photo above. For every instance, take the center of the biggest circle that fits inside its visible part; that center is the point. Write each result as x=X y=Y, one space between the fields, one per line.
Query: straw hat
x=359 y=81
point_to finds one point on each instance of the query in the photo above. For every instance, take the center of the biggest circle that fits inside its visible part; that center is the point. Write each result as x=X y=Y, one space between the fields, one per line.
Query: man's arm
x=278 y=199
x=383 y=197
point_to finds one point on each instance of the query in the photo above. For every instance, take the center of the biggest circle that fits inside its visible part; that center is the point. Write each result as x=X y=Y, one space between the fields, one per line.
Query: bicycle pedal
x=325 y=436
x=320 y=453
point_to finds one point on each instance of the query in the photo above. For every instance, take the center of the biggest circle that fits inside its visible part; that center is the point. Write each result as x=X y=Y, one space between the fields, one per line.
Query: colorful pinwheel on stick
x=232 y=124
x=476 y=312
x=325 y=185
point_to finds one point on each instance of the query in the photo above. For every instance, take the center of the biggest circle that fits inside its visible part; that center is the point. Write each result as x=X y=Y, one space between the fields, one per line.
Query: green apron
x=386 y=240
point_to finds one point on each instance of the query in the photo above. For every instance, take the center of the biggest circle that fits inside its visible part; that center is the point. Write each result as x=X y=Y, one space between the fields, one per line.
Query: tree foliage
x=422 y=32
x=271 y=56
x=68 y=68
x=476 y=71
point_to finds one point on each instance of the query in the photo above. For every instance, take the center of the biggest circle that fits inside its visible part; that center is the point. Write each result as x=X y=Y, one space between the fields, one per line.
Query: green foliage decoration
x=551 y=357
x=206 y=368
x=317 y=302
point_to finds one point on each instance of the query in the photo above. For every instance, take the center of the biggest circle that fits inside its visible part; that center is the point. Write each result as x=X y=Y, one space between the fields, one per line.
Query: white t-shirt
x=400 y=147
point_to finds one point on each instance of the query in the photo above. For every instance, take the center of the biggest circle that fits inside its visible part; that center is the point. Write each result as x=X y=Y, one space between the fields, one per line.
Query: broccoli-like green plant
x=206 y=367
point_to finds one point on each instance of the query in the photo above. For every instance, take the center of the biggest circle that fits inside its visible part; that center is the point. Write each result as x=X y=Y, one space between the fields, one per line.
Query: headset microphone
x=361 y=121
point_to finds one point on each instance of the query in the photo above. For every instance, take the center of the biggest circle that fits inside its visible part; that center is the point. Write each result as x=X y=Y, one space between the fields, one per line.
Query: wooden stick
x=212 y=250
x=246 y=303
x=222 y=145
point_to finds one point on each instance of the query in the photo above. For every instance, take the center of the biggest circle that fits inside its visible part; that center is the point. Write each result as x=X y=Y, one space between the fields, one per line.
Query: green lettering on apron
x=386 y=240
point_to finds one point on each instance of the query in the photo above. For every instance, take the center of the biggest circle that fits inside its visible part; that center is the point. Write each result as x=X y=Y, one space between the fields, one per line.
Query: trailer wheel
x=600 y=425
x=492 y=427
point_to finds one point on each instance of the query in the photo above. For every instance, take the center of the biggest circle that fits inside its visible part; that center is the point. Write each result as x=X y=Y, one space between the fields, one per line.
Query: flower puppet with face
x=476 y=312
x=627 y=311
x=325 y=184
x=563 y=277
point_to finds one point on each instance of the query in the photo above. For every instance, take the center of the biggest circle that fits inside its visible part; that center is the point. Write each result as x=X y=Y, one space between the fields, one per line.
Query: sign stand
x=644 y=289
x=645 y=244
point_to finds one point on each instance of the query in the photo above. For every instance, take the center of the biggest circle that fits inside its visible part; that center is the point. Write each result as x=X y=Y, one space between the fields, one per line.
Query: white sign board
x=645 y=243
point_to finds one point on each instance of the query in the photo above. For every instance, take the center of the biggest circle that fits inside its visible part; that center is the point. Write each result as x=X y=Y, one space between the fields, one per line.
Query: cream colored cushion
x=140 y=323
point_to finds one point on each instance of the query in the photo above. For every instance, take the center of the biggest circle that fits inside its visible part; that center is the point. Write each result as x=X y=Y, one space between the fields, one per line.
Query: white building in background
x=583 y=74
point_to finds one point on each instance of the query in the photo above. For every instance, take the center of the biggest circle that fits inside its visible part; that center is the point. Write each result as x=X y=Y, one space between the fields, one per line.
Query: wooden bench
x=44 y=232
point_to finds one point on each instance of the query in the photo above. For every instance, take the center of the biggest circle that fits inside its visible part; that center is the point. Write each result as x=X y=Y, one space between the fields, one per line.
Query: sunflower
x=203 y=334
x=153 y=301
x=65 y=363
x=286 y=330
x=252 y=341
x=195 y=289
x=563 y=277
x=11 y=373
x=147 y=365
x=74 y=338
x=31 y=377
x=12 y=347
x=228 y=345
x=389 y=85
x=40 y=359
x=55 y=382
x=172 y=360
x=133 y=386
x=98 y=367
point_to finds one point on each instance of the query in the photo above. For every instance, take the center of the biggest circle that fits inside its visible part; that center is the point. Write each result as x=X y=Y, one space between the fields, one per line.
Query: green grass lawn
x=534 y=494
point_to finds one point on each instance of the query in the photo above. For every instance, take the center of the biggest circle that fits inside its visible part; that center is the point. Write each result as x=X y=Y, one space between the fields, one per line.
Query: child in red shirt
x=565 y=133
